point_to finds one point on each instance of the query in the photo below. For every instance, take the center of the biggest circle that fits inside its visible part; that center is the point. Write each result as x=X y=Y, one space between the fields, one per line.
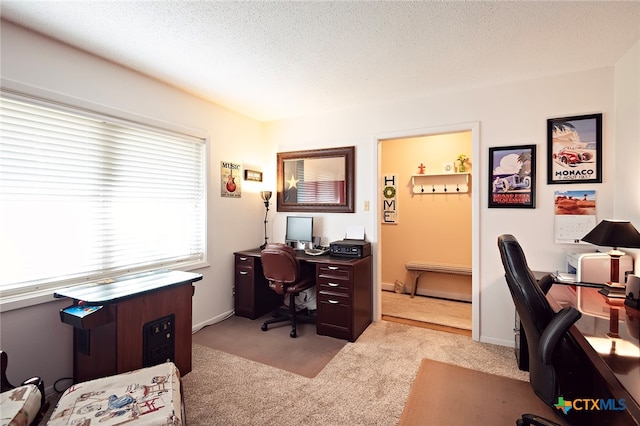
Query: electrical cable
x=59 y=380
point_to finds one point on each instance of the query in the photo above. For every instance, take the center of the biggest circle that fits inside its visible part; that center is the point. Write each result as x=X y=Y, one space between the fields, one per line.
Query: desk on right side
x=608 y=334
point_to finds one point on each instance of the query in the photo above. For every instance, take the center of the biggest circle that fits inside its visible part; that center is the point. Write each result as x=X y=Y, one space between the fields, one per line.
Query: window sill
x=26 y=300
x=34 y=298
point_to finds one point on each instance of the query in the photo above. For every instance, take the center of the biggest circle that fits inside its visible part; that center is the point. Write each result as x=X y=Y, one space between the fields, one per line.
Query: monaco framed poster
x=574 y=149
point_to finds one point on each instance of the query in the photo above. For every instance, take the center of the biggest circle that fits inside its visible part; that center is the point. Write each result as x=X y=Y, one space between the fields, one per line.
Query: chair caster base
x=264 y=327
x=293 y=334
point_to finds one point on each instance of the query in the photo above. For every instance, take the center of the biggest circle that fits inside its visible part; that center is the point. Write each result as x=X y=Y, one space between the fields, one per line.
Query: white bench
x=417 y=268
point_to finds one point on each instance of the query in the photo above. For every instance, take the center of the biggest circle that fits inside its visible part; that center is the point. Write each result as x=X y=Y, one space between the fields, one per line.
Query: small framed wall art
x=448 y=168
x=229 y=172
x=574 y=149
x=253 y=175
x=512 y=176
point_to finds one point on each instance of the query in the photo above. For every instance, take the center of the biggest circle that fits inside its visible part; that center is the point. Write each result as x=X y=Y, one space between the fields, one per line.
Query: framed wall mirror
x=320 y=180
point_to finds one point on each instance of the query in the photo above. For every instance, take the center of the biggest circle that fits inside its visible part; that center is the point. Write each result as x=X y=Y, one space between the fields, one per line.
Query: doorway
x=430 y=223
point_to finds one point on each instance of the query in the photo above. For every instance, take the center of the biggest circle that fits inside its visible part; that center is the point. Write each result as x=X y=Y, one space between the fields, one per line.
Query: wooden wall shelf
x=442 y=183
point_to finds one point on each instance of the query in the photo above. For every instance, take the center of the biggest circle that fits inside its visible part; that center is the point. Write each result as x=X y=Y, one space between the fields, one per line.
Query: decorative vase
x=462 y=168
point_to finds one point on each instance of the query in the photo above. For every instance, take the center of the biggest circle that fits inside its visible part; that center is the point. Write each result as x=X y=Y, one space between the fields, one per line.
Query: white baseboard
x=463 y=297
x=213 y=320
x=499 y=342
x=387 y=286
x=445 y=295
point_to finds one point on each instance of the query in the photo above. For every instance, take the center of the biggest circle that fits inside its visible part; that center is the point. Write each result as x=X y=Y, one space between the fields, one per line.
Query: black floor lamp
x=266 y=196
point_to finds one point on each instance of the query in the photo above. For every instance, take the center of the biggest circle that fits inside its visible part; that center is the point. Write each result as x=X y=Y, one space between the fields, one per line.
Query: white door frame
x=474 y=128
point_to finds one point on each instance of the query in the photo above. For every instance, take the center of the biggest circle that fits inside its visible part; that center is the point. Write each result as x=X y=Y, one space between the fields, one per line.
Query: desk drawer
x=252 y=295
x=335 y=316
x=244 y=262
x=243 y=271
x=335 y=272
x=326 y=284
x=244 y=268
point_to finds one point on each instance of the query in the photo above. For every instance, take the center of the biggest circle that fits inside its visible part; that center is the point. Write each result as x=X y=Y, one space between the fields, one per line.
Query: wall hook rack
x=441 y=183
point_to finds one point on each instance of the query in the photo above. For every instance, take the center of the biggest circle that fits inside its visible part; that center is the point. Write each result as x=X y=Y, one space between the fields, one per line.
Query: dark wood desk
x=615 y=358
x=130 y=323
x=343 y=289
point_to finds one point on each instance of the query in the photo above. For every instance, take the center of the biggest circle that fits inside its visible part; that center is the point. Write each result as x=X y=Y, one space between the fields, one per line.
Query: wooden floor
x=423 y=324
x=427 y=312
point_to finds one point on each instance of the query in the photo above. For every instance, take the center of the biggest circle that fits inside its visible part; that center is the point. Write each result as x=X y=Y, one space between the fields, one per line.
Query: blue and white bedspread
x=150 y=396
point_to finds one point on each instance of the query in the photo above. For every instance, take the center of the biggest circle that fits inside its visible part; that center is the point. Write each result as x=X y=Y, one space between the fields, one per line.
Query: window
x=85 y=197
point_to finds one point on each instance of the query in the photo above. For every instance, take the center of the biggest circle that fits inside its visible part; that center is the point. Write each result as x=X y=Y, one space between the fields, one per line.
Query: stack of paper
x=565 y=278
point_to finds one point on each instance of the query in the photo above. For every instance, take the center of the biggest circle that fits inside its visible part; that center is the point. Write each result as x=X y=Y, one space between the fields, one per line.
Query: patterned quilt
x=19 y=406
x=149 y=396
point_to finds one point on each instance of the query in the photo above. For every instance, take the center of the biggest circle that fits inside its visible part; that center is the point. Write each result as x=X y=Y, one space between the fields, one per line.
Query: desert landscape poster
x=575 y=215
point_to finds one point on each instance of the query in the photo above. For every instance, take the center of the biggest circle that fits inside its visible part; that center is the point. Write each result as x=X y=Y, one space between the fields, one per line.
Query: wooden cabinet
x=133 y=322
x=344 y=298
x=252 y=295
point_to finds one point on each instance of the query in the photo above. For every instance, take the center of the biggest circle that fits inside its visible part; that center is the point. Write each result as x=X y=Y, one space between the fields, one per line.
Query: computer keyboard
x=317 y=251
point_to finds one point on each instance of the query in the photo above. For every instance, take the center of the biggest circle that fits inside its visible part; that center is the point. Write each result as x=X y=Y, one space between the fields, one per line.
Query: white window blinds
x=84 y=197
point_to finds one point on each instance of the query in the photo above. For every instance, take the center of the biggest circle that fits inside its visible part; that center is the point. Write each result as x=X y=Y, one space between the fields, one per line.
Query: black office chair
x=283 y=271
x=533 y=420
x=557 y=366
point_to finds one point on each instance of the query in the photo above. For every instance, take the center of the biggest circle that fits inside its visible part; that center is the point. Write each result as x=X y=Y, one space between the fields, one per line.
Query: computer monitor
x=299 y=229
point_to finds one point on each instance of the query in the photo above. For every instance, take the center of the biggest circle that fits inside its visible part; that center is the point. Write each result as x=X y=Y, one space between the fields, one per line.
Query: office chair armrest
x=556 y=328
x=545 y=283
x=534 y=420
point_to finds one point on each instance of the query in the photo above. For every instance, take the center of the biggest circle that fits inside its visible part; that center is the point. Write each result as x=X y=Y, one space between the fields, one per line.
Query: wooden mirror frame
x=344 y=206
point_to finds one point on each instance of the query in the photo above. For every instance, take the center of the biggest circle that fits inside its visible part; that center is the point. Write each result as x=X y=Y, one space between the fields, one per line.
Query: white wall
x=36 y=341
x=627 y=137
x=627 y=141
x=508 y=115
x=511 y=114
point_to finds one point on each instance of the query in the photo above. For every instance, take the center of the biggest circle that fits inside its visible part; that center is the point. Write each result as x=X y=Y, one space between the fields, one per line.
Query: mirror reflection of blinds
x=84 y=197
x=318 y=186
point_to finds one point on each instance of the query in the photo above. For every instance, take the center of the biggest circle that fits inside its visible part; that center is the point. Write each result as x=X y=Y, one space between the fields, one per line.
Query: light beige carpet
x=427 y=309
x=444 y=394
x=366 y=383
x=305 y=355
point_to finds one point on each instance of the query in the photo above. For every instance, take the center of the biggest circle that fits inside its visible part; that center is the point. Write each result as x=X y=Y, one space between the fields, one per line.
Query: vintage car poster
x=574 y=149
x=230 y=174
x=512 y=176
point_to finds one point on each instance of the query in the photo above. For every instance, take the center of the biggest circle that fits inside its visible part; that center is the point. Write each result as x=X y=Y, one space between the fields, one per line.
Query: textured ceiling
x=272 y=60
